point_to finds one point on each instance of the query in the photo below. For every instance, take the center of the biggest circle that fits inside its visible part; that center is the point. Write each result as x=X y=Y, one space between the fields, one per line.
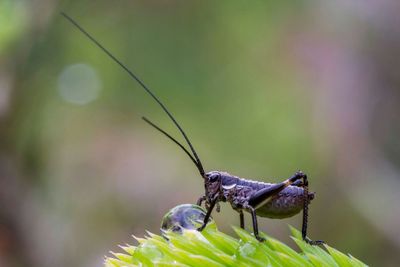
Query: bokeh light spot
x=79 y=84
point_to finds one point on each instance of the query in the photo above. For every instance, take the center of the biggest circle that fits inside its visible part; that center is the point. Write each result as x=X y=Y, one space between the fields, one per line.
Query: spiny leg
x=241 y=216
x=208 y=214
x=305 y=215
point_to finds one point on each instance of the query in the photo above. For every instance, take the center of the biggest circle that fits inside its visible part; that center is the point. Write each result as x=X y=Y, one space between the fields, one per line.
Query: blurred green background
x=263 y=88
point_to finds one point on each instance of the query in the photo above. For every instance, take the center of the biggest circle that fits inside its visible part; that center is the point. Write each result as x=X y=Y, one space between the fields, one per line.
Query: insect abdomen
x=287 y=203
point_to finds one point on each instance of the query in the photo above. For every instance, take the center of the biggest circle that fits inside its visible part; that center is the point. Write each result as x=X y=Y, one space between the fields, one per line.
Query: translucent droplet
x=185 y=216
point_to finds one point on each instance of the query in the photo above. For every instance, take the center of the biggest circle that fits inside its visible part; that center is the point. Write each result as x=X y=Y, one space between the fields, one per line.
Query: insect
x=271 y=200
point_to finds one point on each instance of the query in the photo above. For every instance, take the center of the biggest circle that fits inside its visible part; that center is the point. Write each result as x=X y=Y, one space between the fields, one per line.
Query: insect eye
x=214 y=177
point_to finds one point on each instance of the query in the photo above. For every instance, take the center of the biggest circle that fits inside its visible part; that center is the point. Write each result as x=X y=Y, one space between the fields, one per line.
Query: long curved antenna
x=173 y=140
x=136 y=78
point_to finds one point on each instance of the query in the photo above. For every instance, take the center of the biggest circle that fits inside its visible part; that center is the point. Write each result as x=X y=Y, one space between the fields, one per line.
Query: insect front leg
x=200 y=200
x=203 y=198
x=208 y=214
x=305 y=215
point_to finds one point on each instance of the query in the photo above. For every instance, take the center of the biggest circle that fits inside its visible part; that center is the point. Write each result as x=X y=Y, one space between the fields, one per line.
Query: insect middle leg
x=241 y=217
x=255 y=223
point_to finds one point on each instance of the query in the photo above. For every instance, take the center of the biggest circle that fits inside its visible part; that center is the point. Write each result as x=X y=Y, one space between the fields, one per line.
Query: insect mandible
x=270 y=200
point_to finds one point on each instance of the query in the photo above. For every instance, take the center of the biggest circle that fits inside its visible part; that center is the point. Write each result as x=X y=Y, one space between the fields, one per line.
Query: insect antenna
x=172 y=139
x=195 y=158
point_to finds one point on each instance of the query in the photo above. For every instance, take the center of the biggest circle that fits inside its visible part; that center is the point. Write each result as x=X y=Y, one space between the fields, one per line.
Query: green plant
x=214 y=248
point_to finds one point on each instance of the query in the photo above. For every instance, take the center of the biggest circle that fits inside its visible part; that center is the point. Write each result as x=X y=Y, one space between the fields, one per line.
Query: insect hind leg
x=264 y=195
x=305 y=214
x=298 y=183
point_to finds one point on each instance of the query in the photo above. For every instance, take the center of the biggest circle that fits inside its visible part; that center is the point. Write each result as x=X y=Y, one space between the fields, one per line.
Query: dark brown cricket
x=278 y=200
